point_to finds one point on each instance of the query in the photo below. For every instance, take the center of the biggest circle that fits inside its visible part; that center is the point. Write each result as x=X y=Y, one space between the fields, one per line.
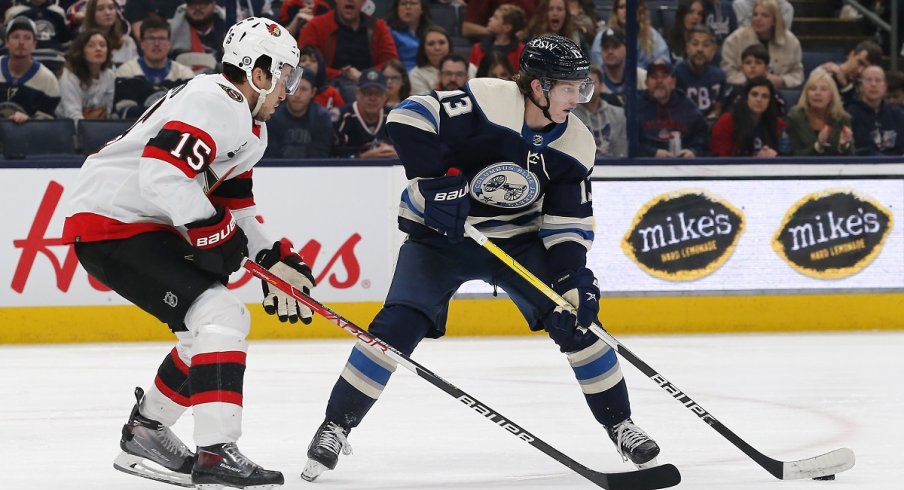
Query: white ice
x=791 y=396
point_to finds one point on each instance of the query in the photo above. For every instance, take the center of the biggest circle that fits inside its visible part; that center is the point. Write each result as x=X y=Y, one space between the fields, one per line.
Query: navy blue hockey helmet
x=552 y=57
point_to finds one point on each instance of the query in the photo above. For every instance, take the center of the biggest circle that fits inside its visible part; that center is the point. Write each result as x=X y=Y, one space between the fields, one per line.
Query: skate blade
x=221 y=486
x=312 y=470
x=138 y=466
x=649 y=464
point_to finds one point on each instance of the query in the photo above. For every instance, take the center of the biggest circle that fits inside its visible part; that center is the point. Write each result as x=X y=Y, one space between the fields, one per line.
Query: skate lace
x=333 y=438
x=171 y=442
x=628 y=437
x=241 y=459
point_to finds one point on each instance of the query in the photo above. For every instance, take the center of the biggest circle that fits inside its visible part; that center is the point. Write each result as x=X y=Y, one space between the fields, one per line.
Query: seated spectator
x=198 y=27
x=688 y=15
x=27 y=88
x=650 y=44
x=435 y=45
x=361 y=129
x=753 y=127
x=878 y=126
x=327 y=95
x=895 y=82
x=477 y=16
x=140 y=82
x=612 y=44
x=604 y=120
x=701 y=81
x=407 y=21
x=350 y=43
x=398 y=86
x=298 y=128
x=495 y=65
x=583 y=16
x=767 y=27
x=104 y=15
x=719 y=16
x=86 y=87
x=136 y=11
x=818 y=124
x=453 y=72
x=754 y=63
x=670 y=124
x=553 y=17
x=847 y=74
x=50 y=22
x=743 y=9
x=503 y=27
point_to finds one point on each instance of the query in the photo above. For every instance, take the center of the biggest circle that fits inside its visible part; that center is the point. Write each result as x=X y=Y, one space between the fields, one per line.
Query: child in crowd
x=327 y=95
x=504 y=25
x=754 y=63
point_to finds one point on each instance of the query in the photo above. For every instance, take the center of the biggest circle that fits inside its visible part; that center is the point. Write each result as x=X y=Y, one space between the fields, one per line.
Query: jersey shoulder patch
x=499 y=101
x=232 y=93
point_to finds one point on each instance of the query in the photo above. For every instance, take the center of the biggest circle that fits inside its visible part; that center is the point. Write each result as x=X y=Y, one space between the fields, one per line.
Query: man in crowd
x=453 y=72
x=847 y=74
x=878 y=126
x=27 y=88
x=702 y=82
x=361 y=128
x=670 y=124
x=613 y=53
x=199 y=29
x=300 y=128
x=51 y=30
x=604 y=120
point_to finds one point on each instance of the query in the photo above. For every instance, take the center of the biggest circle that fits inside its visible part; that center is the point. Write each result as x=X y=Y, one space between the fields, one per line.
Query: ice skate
x=633 y=444
x=323 y=452
x=152 y=450
x=223 y=465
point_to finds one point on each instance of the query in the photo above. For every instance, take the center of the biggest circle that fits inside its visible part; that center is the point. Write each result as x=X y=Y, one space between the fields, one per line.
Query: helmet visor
x=290 y=77
x=567 y=91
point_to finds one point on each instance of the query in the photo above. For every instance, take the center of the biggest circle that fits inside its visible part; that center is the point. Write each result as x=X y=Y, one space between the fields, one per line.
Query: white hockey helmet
x=249 y=39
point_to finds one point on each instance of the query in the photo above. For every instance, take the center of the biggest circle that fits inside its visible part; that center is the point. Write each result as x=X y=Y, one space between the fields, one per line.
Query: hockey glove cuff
x=446 y=204
x=220 y=244
x=288 y=266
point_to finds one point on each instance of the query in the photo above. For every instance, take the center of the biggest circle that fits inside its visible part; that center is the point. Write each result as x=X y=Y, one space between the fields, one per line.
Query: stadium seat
x=790 y=96
x=38 y=138
x=665 y=18
x=448 y=17
x=94 y=134
x=812 y=59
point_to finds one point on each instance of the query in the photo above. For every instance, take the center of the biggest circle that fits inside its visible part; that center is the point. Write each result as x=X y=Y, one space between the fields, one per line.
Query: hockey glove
x=288 y=266
x=581 y=289
x=446 y=205
x=220 y=244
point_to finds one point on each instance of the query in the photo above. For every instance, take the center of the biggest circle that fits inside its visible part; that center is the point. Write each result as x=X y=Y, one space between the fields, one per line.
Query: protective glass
x=290 y=77
x=566 y=92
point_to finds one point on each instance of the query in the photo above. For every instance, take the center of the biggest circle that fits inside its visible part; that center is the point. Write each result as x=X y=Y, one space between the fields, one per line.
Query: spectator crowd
x=716 y=78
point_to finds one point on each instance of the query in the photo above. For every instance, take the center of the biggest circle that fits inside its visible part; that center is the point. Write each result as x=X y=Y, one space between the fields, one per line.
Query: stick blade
x=662 y=476
x=824 y=465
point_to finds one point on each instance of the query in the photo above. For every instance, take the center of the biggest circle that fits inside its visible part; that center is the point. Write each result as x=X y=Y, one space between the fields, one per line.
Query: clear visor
x=290 y=77
x=568 y=91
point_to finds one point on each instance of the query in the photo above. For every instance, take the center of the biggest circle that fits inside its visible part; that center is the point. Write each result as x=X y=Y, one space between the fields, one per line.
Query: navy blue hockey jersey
x=521 y=181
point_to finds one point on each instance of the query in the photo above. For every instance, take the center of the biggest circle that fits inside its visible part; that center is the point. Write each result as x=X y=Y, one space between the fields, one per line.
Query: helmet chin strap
x=261 y=93
x=545 y=109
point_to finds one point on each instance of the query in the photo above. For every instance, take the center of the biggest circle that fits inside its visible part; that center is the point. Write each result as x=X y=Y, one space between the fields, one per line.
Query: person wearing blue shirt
x=670 y=124
x=878 y=126
x=702 y=82
x=407 y=22
x=300 y=128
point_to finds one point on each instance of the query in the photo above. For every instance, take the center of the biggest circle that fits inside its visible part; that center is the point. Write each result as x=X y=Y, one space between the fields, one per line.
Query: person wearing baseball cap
x=670 y=124
x=612 y=52
x=361 y=128
x=28 y=89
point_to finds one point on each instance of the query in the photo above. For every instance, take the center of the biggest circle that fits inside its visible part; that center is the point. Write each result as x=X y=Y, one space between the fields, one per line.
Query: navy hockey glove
x=446 y=204
x=581 y=289
x=219 y=242
x=288 y=266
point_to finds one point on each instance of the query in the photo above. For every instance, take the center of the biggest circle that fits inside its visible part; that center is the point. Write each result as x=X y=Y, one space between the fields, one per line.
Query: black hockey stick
x=651 y=478
x=823 y=466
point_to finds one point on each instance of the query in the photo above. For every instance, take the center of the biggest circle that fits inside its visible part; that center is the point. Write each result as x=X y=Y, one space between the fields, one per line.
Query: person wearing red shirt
x=753 y=126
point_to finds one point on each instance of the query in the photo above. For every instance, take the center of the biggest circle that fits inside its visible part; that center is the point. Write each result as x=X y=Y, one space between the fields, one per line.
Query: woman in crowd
x=495 y=65
x=435 y=44
x=398 y=86
x=689 y=14
x=553 y=17
x=583 y=16
x=766 y=27
x=650 y=44
x=86 y=87
x=753 y=126
x=104 y=15
x=408 y=21
x=818 y=124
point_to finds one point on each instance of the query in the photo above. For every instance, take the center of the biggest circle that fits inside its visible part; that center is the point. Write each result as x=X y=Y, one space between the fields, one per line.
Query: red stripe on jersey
x=232 y=203
x=172 y=395
x=234 y=357
x=216 y=396
x=177 y=361
x=163 y=155
x=196 y=132
x=90 y=227
x=256 y=129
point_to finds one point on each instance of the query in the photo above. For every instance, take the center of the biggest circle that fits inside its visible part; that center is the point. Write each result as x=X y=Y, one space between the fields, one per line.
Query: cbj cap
x=372 y=78
x=21 y=23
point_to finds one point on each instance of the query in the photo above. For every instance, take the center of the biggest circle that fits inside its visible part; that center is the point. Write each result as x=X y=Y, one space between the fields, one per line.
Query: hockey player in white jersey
x=510 y=159
x=162 y=215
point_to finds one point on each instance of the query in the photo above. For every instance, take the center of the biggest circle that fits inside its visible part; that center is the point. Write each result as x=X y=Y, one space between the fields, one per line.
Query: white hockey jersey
x=193 y=148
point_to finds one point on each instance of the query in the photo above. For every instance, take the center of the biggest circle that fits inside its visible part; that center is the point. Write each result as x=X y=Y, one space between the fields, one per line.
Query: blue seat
x=812 y=59
x=790 y=96
x=94 y=134
x=38 y=138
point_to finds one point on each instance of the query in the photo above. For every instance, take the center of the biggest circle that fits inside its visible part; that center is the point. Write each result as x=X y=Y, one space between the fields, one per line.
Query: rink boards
x=677 y=249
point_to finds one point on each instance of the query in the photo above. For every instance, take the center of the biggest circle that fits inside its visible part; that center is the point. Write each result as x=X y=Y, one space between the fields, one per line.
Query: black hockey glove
x=446 y=205
x=219 y=242
x=288 y=266
x=581 y=289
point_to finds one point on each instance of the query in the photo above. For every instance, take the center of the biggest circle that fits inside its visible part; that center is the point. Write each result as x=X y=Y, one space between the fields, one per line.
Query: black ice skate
x=223 y=465
x=151 y=450
x=323 y=452
x=633 y=444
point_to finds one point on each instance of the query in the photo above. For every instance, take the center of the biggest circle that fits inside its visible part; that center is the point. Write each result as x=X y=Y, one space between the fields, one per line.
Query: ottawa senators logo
x=274 y=30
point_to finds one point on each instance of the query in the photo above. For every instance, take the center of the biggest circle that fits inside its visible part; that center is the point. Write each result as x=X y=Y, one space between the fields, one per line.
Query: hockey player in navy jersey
x=521 y=165
x=162 y=215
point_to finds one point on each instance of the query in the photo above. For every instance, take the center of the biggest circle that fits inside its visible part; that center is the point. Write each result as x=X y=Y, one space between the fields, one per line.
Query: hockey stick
x=824 y=466
x=651 y=478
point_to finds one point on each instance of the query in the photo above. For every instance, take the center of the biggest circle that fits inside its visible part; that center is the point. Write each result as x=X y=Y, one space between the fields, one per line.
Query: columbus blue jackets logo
x=505 y=185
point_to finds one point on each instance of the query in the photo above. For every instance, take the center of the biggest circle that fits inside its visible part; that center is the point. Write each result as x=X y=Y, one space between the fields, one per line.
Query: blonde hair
x=778 y=22
x=644 y=28
x=835 y=109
